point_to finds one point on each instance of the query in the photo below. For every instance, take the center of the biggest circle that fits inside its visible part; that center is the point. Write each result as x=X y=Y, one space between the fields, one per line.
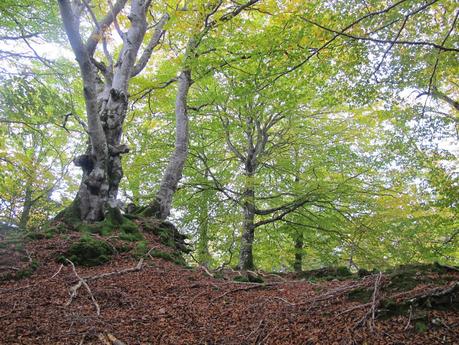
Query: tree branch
x=154 y=41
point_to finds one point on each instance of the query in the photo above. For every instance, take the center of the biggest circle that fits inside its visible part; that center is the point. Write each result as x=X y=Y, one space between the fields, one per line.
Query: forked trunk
x=106 y=100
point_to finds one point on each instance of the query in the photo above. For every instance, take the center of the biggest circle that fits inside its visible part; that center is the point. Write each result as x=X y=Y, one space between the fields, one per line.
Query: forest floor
x=150 y=300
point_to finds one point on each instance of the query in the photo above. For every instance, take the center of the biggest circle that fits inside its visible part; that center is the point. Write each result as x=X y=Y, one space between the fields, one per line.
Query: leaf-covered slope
x=149 y=300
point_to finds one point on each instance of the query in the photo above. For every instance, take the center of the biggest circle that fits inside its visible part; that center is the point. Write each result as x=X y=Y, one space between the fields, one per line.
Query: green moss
x=343 y=271
x=140 y=249
x=420 y=326
x=326 y=273
x=249 y=278
x=172 y=257
x=363 y=295
x=241 y=279
x=89 y=252
x=219 y=275
x=71 y=214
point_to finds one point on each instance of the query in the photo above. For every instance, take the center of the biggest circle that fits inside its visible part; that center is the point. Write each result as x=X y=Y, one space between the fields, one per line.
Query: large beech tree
x=106 y=98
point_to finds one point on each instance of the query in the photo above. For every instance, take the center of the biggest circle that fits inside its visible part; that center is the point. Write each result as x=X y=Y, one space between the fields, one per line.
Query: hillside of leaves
x=143 y=293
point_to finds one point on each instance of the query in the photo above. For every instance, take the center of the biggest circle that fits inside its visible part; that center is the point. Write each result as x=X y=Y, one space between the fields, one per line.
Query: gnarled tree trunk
x=105 y=88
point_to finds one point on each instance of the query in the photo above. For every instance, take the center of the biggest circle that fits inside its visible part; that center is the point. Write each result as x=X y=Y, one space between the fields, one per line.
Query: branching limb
x=74 y=289
x=154 y=41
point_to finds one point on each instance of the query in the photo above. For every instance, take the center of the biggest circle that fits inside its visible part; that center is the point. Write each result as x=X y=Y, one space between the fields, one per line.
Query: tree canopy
x=276 y=134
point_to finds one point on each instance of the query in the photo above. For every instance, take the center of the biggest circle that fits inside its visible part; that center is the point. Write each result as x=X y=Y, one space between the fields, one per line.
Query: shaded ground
x=164 y=303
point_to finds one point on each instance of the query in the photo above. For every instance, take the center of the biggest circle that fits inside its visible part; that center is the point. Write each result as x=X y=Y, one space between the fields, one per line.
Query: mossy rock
x=88 y=252
x=70 y=215
x=407 y=277
x=129 y=231
x=140 y=249
x=167 y=233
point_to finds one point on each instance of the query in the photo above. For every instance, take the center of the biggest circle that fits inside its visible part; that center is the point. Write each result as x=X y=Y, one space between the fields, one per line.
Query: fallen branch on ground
x=375 y=302
x=137 y=267
x=74 y=289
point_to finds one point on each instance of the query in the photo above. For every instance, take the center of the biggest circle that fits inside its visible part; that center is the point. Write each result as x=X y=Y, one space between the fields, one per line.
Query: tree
x=106 y=100
x=35 y=164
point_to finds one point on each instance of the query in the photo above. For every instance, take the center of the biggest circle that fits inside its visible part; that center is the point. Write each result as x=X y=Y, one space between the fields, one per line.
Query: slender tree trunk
x=161 y=207
x=299 y=239
x=25 y=214
x=203 y=240
x=248 y=226
x=299 y=245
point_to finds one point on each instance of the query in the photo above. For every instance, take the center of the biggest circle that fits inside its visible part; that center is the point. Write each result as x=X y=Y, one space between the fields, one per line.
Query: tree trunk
x=25 y=214
x=102 y=172
x=203 y=254
x=299 y=244
x=161 y=207
x=248 y=226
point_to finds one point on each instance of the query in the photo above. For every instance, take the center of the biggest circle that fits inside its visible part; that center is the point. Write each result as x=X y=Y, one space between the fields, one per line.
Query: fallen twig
x=137 y=267
x=74 y=289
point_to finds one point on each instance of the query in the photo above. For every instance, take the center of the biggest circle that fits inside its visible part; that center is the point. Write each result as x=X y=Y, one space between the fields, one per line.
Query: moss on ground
x=326 y=273
x=248 y=278
x=172 y=257
x=88 y=252
x=22 y=273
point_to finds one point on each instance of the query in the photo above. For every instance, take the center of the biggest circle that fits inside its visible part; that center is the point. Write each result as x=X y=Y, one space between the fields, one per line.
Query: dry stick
x=206 y=271
x=75 y=288
x=283 y=300
x=373 y=305
x=353 y=308
x=409 y=318
x=137 y=267
x=238 y=289
x=57 y=272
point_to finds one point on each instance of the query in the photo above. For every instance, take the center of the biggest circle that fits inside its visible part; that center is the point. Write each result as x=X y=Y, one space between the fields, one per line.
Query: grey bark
x=173 y=173
x=106 y=97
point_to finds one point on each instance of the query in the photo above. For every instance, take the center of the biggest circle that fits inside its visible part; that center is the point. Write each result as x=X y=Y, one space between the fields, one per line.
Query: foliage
x=366 y=137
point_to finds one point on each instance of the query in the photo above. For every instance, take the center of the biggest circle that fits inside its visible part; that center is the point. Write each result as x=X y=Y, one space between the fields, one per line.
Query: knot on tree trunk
x=118 y=95
x=85 y=162
x=95 y=180
x=118 y=150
